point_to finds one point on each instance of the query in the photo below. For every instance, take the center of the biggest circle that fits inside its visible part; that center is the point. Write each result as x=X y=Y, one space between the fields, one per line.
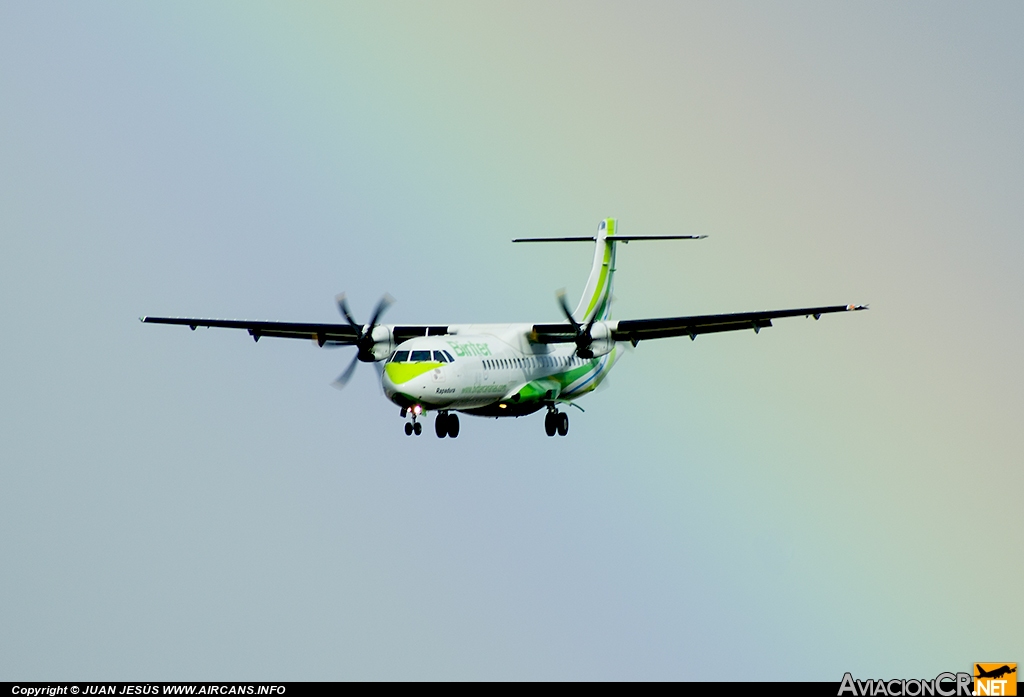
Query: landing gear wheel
x=563 y=424
x=549 y=423
x=408 y=428
x=441 y=425
x=453 y=426
x=417 y=428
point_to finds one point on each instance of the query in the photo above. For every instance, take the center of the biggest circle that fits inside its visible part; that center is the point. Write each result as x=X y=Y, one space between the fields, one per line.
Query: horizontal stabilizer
x=616 y=238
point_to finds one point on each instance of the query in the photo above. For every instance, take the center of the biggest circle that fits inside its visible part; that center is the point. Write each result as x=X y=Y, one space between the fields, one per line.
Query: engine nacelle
x=601 y=339
x=383 y=343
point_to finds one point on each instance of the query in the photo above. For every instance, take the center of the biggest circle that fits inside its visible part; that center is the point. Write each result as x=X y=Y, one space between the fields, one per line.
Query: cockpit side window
x=439 y=357
x=400 y=357
x=420 y=356
x=450 y=359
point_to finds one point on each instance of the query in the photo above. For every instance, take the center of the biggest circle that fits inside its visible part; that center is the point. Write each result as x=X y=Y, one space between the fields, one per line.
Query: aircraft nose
x=385 y=382
x=411 y=379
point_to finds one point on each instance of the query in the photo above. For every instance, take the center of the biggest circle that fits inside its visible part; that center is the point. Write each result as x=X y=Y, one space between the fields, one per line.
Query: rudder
x=597 y=297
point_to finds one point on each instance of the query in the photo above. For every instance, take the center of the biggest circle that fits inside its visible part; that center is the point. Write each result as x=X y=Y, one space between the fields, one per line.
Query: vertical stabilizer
x=597 y=297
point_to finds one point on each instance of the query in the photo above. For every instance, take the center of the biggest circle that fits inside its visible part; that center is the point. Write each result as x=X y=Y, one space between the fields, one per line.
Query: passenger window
x=400 y=357
x=420 y=356
x=439 y=357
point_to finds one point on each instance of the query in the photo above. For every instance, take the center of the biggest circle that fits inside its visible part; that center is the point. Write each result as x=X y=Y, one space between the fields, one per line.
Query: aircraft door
x=483 y=375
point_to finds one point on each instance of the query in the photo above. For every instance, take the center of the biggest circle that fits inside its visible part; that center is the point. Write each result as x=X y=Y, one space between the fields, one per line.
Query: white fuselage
x=493 y=368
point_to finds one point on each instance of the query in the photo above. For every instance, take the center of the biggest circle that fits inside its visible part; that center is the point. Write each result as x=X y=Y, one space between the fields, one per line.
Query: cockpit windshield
x=421 y=357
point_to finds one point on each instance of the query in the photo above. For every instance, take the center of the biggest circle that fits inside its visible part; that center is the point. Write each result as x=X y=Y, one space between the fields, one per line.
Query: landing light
x=502 y=406
x=417 y=410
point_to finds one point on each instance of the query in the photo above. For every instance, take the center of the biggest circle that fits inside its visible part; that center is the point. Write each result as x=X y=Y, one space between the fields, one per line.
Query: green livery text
x=470 y=349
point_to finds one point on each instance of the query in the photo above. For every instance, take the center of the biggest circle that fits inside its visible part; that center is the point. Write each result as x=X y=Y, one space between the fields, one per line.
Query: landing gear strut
x=446 y=425
x=556 y=422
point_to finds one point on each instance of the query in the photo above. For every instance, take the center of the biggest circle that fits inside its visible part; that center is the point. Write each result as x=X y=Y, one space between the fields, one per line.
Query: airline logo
x=995 y=679
x=470 y=349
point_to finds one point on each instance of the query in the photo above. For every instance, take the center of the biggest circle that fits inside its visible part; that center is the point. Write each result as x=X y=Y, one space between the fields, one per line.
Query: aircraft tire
x=441 y=425
x=417 y=428
x=408 y=428
x=453 y=426
x=563 y=423
x=549 y=423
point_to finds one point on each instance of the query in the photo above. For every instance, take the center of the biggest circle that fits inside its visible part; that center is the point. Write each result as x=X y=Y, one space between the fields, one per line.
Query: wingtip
x=857 y=307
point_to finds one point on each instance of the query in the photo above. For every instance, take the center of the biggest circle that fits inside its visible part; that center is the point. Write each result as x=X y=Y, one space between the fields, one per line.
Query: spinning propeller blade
x=583 y=336
x=364 y=336
x=342 y=380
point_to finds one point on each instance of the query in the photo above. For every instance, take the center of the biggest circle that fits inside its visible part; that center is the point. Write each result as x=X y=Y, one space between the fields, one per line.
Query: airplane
x=505 y=370
x=995 y=673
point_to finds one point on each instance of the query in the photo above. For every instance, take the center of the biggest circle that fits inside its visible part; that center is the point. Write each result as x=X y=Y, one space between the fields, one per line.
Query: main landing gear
x=556 y=421
x=446 y=425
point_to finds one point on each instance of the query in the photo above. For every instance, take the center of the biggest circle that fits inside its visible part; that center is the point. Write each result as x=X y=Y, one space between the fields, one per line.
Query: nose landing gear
x=446 y=425
x=413 y=426
x=556 y=422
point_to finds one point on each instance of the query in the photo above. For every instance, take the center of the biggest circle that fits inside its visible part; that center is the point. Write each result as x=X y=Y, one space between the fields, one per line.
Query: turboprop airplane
x=496 y=370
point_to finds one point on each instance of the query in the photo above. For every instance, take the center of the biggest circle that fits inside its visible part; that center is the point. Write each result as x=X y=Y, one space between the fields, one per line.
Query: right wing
x=336 y=334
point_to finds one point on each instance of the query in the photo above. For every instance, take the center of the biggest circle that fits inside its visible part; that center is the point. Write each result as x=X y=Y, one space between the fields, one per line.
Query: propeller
x=364 y=336
x=583 y=336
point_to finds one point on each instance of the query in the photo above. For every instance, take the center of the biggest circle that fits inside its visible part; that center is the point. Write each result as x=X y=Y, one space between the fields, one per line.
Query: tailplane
x=595 y=305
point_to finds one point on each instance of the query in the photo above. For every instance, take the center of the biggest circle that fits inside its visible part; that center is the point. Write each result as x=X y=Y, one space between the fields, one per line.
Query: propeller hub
x=583 y=337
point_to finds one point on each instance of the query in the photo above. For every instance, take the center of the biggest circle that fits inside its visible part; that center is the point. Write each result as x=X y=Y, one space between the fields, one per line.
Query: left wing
x=637 y=330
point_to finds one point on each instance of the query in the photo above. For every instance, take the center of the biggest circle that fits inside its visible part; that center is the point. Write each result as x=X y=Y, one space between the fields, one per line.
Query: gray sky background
x=823 y=497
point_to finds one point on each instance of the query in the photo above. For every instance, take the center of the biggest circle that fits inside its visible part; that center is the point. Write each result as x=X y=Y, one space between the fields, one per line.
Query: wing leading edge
x=632 y=330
